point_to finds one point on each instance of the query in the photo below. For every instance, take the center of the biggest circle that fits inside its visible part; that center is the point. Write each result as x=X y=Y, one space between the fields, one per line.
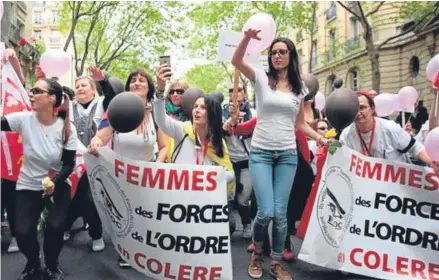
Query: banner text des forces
x=166 y=179
x=168 y=270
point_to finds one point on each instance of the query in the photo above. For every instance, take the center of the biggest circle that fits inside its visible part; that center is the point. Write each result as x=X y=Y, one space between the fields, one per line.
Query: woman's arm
x=162 y=142
x=11 y=56
x=168 y=125
x=303 y=126
x=68 y=164
x=243 y=129
x=238 y=56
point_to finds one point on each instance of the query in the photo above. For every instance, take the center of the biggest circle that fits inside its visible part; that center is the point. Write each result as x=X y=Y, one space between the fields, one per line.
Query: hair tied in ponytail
x=63 y=112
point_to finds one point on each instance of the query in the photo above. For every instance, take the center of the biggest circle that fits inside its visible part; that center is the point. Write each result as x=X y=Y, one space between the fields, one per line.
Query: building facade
x=16 y=22
x=337 y=49
x=45 y=27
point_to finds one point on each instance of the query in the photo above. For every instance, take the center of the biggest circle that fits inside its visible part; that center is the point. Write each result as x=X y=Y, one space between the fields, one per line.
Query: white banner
x=375 y=217
x=168 y=221
x=227 y=43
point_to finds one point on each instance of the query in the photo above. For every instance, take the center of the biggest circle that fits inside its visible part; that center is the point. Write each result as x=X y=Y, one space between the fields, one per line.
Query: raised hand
x=253 y=34
x=96 y=73
x=164 y=74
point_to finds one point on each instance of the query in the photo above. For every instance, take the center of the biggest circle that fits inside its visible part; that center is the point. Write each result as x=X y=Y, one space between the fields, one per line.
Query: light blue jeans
x=272 y=174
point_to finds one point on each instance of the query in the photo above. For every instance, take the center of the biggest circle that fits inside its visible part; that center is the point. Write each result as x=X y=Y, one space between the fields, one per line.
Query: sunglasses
x=231 y=90
x=36 y=90
x=176 y=91
x=322 y=128
x=280 y=52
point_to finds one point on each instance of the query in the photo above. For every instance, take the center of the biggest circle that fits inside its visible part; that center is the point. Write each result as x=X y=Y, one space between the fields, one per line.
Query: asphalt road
x=79 y=263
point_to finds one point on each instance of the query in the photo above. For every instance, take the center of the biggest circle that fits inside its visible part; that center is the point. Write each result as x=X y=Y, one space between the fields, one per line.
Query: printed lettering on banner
x=168 y=221
x=375 y=217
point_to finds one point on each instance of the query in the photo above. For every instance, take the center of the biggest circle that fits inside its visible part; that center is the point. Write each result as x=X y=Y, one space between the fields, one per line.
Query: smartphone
x=165 y=59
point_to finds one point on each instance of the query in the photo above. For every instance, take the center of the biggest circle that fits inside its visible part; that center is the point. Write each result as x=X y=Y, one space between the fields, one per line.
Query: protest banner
x=375 y=217
x=168 y=221
x=227 y=43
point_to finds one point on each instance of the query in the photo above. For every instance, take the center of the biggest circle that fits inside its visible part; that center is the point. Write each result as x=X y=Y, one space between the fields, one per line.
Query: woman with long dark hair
x=199 y=141
x=273 y=153
x=49 y=145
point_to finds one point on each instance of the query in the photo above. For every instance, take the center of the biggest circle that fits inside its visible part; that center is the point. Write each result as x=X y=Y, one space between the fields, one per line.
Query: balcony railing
x=331 y=12
x=353 y=44
x=55 y=40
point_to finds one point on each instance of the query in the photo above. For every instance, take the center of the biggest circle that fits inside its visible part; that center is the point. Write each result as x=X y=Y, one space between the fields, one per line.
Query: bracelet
x=159 y=93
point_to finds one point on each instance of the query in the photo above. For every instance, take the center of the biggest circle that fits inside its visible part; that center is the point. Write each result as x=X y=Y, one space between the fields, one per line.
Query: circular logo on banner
x=111 y=199
x=335 y=206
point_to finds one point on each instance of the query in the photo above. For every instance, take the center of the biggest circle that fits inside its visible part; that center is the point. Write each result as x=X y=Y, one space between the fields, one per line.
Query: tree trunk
x=374 y=58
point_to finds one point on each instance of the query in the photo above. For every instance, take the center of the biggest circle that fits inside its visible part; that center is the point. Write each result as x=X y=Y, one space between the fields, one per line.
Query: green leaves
x=209 y=77
x=334 y=146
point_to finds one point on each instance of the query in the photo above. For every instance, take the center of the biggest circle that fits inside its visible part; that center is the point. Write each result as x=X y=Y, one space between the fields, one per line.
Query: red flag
x=14 y=99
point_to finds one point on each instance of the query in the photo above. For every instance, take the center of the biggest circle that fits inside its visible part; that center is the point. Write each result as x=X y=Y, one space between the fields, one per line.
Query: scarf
x=211 y=154
x=176 y=112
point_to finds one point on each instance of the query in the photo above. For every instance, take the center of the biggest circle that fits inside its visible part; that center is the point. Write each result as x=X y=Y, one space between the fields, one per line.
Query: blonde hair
x=181 y=82
x=91 y=82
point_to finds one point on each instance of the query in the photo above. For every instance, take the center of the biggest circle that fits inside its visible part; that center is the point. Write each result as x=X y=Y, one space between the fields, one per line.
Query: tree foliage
x=209 y=77
x=117 y=36
x=210 y=17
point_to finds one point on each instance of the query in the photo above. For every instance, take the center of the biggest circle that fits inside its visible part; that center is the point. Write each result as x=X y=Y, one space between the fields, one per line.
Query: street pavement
x=79 y=263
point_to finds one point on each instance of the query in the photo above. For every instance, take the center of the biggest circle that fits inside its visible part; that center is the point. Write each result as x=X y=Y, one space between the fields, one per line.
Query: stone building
x=338 y=49
x=16 y=22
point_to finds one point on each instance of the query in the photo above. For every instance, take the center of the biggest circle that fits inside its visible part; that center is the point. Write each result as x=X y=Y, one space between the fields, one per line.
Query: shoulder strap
x=177 y=149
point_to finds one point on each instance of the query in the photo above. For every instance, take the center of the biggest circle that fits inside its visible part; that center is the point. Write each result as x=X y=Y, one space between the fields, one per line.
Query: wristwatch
x=160 y=93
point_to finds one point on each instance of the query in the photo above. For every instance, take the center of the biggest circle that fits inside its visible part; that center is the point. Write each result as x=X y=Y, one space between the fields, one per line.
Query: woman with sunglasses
x=141 y=143
x=273 y=153
x=49 y=144
x=321 y=126
x=173 y=101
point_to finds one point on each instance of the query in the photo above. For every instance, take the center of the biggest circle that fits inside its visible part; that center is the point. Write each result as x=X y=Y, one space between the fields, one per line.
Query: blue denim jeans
x=272 y=174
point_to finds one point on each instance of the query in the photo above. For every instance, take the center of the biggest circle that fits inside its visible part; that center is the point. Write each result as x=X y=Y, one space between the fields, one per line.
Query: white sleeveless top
x=137 y=146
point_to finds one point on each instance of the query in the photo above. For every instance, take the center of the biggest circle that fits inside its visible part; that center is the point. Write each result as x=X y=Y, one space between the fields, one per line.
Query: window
x=332 y=45
x=414 y=66
x=38 y=18
x=315 y=21
x=331 y=12
x=40 y=3
x=355 y=79
x=55 y=36
x=37 y=34
x=55 y=17
x=354 y=31
x=314 y=55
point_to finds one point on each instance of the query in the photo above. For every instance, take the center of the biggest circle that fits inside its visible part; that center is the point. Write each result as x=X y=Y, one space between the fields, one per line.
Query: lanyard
x=205 y=146
x=367 y=151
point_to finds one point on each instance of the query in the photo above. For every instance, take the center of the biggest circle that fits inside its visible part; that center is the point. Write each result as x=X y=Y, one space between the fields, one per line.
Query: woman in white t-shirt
x=49 y=149
x=381 y=138
x=140 y=144
x=273 y=153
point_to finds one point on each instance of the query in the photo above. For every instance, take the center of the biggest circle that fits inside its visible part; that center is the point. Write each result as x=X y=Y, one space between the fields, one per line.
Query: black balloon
x=126 y=112
x=187 y=101
x=312 y=83
x=218 y=96
x=116 y=84
x=341 y=108
x=338 y=83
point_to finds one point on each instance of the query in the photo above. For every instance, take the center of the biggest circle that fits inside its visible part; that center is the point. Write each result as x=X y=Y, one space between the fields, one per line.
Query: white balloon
x=385 y=104
x=320 y=101
x=55 y=63
x=265 y=23
x=433 y=67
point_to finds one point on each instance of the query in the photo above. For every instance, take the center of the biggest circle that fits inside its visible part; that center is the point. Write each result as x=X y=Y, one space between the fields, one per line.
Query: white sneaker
x=247 y=231
x=66 y=236
x=13 y=247
x=98 y=245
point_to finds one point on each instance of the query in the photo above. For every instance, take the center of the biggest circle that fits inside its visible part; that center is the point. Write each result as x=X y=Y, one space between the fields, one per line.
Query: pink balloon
x=432 y=144
x=385 y=104
x=407 y=97
x=320 y=101
x=433 y=67
x=266 y=24
x=55 y=63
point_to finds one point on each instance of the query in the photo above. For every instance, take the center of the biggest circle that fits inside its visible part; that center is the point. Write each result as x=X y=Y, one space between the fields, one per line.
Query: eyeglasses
x=239 y=90
x=176 y=91
x=280 y=52
x=36 y=90
x=363 y=107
